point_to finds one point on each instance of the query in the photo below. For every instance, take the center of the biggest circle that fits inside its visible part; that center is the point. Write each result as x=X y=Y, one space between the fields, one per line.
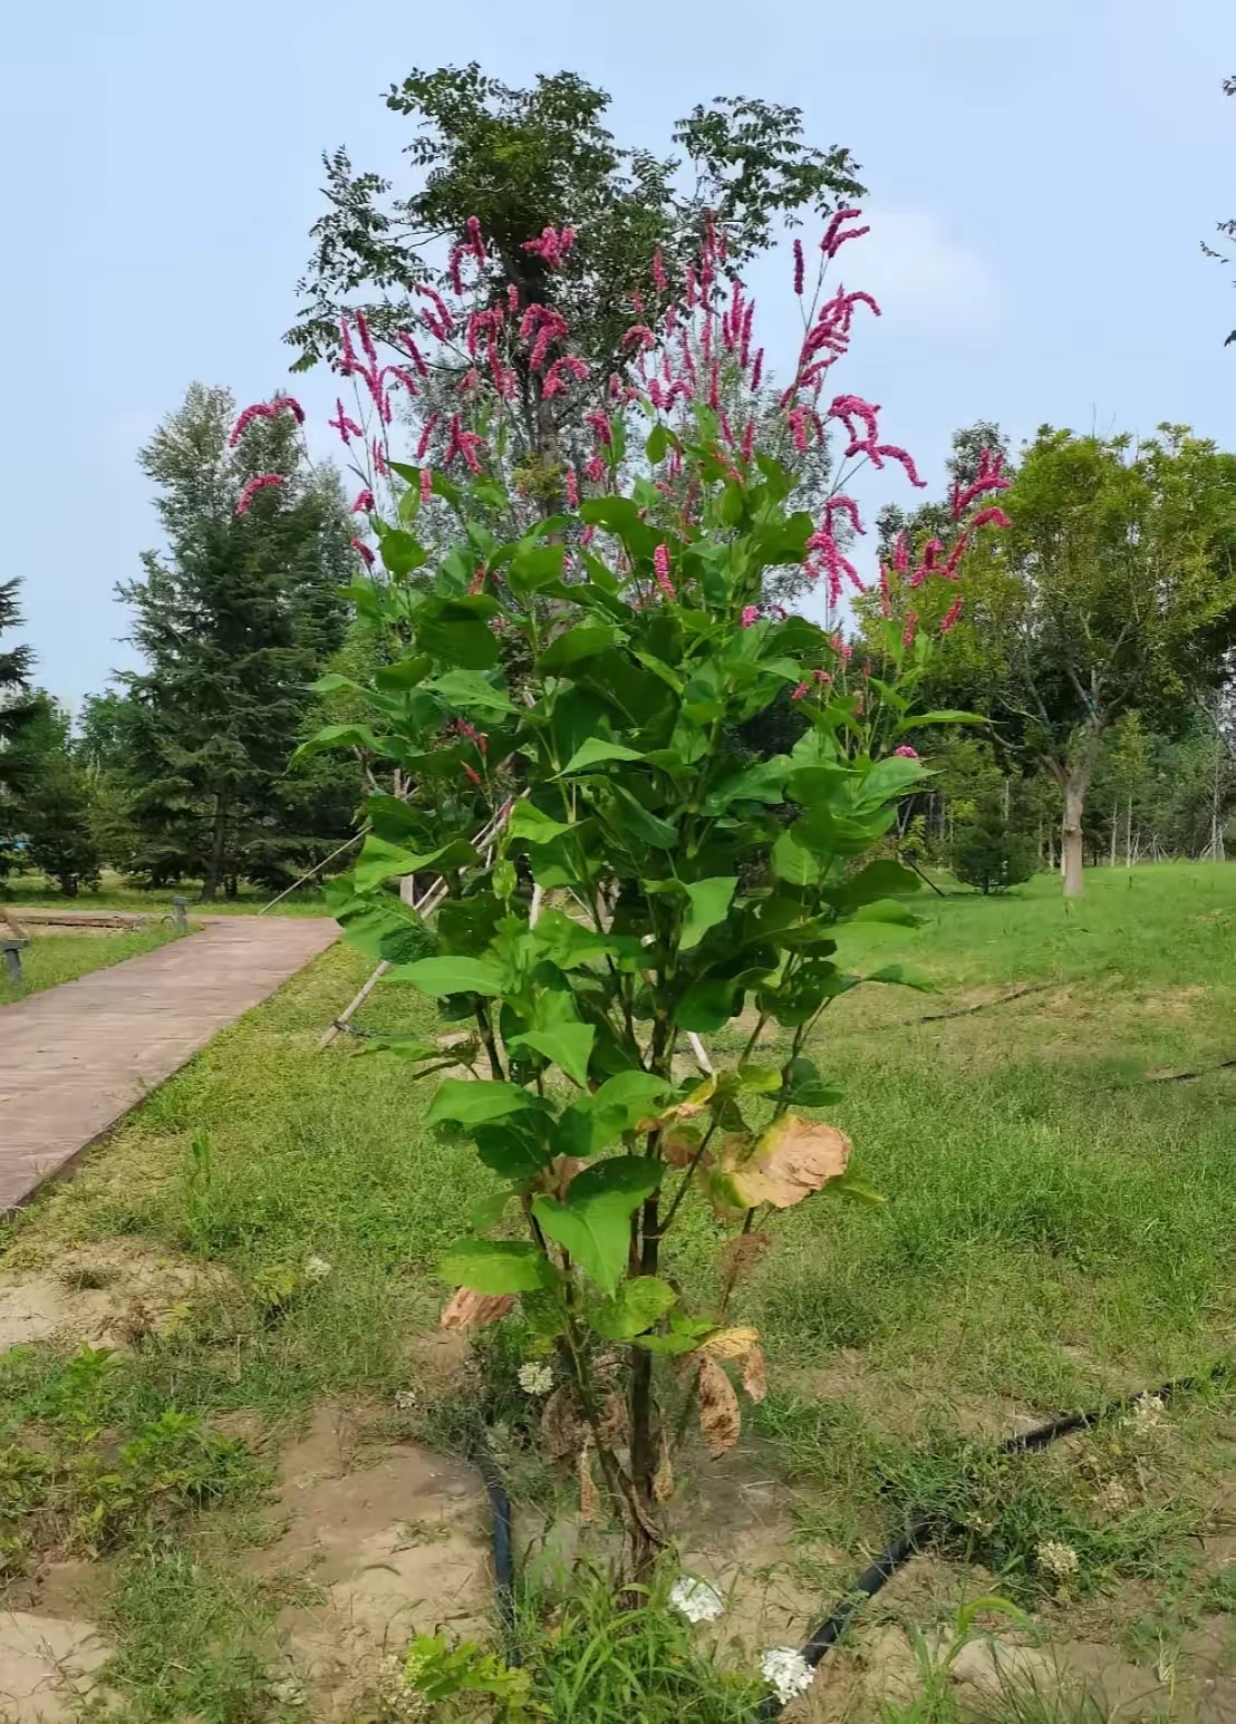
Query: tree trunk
x=1115 y=828
x=1074 y=778
x=1216 y=805
x=218 y=841
x=1128 y=832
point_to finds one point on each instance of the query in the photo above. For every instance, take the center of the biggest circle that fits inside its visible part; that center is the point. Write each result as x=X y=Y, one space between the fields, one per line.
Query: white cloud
x=927 y=282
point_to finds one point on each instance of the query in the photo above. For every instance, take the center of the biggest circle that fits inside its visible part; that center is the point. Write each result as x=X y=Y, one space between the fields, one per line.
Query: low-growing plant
x=566 y=667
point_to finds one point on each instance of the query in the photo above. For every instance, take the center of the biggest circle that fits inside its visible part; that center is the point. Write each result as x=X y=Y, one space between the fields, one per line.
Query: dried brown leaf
x=562 y=1429
x=589 y=1495
x=468 y=1310
x=558 y=1175
x=730 y=1343
x=693 y=1105
x=794 y=1157
x=663 y=1478
x=739 y=1256
x=679 y=1144
x=612 y=1421
x=720 y=1420
x=753 y=1379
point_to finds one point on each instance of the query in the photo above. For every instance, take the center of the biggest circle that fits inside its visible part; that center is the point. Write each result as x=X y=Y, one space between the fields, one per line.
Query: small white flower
x=405 y=1400
x=1147 y=1415
x=787 y=1671
x=317 y=1268
x=697 y=1601
x=1112 y=1496
x=536 y=1378
x=1059 y=1559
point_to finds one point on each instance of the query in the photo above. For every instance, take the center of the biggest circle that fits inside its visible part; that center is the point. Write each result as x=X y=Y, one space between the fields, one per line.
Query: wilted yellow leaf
x=753 y=1380
x=589 y=1496
x=792 y=1159
x=730 y=1343
x=468 y=1310
x=720 y=1420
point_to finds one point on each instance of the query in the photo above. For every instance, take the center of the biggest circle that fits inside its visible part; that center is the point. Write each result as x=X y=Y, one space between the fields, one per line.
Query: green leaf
x=462 y=641
x=452 y=975
x=343 y=736
x=639 y=823
x=850 y=1185
x=622 y=1103
x=707 y=1005
x=594 y=1222
x=762 y=782
x=904 y=976
x=496 y=1266
x=657 y=444
x=806 y=1088
x=595 y=752
x=879 y=879
x=710 y=904
x=685 y=1335
x=583 y=642
x=792 y=863
x=400 y=552
x=407 y=673
x=535 y=566
x=944 y=716
x=475 y=1102
x=888 y=778
x=531 y=822
x=566 y=1045
x=471 y=692
x=381 y=861
x=489 y=1211
x=635 y=1307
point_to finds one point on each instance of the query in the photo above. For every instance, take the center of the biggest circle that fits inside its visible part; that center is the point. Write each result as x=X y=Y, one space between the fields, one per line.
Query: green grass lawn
x=114 y=894
x=1059 y=1228
x=50 y=959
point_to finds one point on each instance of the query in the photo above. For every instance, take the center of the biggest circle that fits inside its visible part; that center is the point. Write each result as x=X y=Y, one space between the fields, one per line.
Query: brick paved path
x=74 y=1059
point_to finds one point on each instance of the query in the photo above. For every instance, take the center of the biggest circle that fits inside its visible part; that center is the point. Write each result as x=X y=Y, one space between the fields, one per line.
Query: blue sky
x=1039 y=182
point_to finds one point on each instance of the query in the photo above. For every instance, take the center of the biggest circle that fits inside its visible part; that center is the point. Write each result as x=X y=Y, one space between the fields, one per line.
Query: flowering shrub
x=571 y=683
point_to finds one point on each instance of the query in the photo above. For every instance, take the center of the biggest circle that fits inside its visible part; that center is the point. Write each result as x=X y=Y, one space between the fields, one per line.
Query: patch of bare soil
x=910 y=1404
x=381 y=1544
x=107 y=1293
x=48 y=1666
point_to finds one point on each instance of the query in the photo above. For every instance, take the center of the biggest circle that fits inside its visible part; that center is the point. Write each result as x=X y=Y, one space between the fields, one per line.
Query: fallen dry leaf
x=468 y=1310
x=794 y=1157
x=753 y=1379
x=720 y=1420
x=612 y=1422
x=730 y=1343
x=663 y=1479
x=562 y=1430
x=589 y=1496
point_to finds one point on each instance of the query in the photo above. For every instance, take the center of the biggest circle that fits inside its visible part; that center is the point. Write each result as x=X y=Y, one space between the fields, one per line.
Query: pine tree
x=235 y=618
x=16 y=710
x=56 y=805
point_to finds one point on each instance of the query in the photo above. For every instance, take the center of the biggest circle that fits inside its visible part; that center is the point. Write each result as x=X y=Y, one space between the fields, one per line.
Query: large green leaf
x=941 y=717
x=497 y=1266
x=452 y=975
x=887 y=910
x=400 y=552
x=584 y=641
x=535 y=566
x=904 y=976
x=707 y=1005
x=567 y=1045
x=792 y=862
x=764 y=781
x=463 y=641
x=469 y=1102
x=468 y=691
x=381 y=861
x=635 y=1307
x=622 y=1103
x=528 y=821
x=880 y=879
x=595 y=752
x=639 y=823
x=594 y=1222
x=890 y=777
x=343 y=736
x=709 y=904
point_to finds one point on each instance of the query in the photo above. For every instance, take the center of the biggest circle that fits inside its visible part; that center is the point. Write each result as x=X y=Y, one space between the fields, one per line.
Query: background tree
x=525 y=162
x=235 y=619
x=55 y=807
x=1115 y=587
x=1226 y=228
x=16 y=711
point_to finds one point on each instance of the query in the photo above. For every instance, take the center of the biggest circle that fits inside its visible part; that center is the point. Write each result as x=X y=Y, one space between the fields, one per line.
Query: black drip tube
x=890 y=1560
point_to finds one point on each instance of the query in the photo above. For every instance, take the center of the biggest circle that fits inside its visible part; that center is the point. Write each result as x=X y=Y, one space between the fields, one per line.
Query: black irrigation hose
x=869 y=1582
x=897 y=1554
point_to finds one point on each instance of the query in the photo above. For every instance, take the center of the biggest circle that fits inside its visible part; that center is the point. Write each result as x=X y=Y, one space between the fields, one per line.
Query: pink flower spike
x=259 y=410
x=251 y=490
x=893 y=453
x=910 y=630
x=658 y=272
x=993 y=517
x=845 y=506
x=750 y=616
x=471 y=772
x=379 y=459
x=905 y=752
x=571 y=487
x=512 y=300
x=289 y=404
x=427 y=431
x=757 y=370
x=362 y=550
x=949 y=619
x=409 y=346
x=347 y=351
x=364 y=503
x=588 y=535
x=362 y=329
x=347 y=428
x=661 y=568
x=476 y=243
x=594 y=467
x=803 y=689
x=457 y=254
x=799 y=267
x=821 y=677
x=426 y=484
